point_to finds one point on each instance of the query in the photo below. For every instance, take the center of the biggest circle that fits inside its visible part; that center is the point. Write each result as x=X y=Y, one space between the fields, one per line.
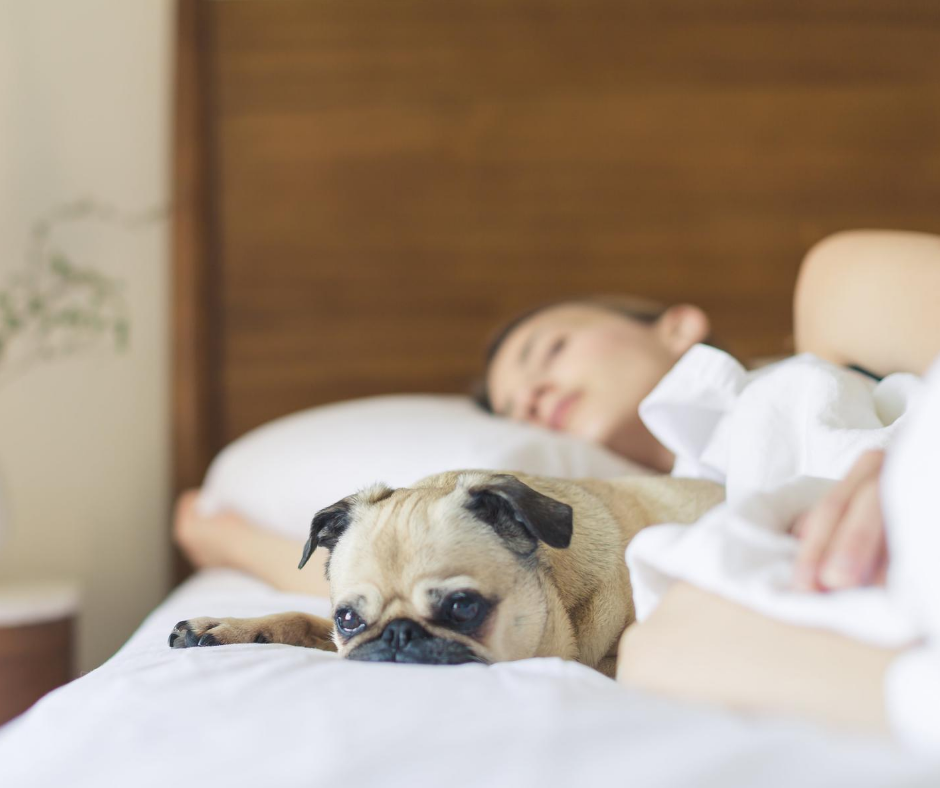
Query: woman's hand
x=206 y=541
x=842 y=538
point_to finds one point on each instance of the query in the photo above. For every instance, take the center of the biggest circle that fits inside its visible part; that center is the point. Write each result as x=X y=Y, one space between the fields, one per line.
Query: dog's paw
x=215 y=632
x=290 y=629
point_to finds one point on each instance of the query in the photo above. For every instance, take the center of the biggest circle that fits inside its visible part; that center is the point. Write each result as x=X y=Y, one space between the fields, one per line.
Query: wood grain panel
x=392 y=180
x=195 y=303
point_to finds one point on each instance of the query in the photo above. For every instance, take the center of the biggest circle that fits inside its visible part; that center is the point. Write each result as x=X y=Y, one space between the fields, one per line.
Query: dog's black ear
x=520 y=515
x=330 y=524
x=327 y=527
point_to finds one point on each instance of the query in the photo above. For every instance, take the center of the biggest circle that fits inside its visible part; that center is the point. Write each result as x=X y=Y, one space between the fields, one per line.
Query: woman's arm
x=699 y=647
x=870 y=298
x=866 y=298
x=228 y=540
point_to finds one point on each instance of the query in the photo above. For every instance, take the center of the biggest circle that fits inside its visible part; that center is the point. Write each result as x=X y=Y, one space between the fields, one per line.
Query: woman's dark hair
x=639 y=309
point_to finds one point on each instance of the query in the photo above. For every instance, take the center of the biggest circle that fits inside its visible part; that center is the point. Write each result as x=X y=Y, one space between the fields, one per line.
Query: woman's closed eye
x=520 y=405
x=529 y=405
x=555 y=348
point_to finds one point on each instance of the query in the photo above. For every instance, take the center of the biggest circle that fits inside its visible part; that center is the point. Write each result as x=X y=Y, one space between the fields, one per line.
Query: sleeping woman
x=864 y=299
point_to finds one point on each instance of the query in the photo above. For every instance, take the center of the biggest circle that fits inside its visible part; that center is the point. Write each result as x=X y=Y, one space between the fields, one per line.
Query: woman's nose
x=533 y=401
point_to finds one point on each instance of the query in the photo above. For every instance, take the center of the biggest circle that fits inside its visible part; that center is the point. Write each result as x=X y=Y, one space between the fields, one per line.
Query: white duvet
x=273 y=715
x=777 y=438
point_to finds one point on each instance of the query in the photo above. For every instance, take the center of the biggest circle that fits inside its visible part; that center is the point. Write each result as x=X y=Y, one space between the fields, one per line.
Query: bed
x=276 y=715
x=363 y=191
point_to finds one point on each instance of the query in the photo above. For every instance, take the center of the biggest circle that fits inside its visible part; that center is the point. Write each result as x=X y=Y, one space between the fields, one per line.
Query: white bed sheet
x=273 y=715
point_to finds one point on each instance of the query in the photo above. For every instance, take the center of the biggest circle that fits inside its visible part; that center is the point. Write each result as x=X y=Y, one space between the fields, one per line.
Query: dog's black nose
x=402 y=631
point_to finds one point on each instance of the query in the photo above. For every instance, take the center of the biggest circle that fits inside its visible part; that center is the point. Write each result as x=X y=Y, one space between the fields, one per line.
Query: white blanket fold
x=777 y=437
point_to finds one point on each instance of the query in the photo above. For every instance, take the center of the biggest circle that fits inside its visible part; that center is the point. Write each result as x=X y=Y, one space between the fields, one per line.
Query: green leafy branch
x=56 y=306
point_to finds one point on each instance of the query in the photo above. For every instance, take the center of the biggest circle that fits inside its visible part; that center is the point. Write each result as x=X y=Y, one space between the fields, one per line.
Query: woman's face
x=584 y=369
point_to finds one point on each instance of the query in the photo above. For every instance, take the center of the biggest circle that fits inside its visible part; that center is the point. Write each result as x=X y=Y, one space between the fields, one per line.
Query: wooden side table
x=36 y=643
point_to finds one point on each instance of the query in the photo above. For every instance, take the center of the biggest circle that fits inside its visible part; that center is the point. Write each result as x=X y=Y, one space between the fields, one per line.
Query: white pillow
x=280 y=474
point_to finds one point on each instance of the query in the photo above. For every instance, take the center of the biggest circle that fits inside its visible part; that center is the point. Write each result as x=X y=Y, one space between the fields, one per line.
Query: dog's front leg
x=293 y=629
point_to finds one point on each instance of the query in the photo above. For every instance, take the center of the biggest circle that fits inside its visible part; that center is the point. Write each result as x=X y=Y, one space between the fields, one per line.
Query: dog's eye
x=462 y=608
x=348 y=621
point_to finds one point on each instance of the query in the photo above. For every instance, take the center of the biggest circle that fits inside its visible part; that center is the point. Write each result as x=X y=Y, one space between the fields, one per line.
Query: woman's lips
x=559 y=417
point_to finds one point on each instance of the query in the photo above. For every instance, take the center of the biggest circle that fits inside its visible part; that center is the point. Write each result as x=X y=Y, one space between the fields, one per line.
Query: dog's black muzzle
x=404 y=640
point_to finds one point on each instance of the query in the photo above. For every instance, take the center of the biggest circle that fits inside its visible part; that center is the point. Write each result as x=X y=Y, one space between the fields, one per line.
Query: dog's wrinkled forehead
x=452 y=512
x=398 y=532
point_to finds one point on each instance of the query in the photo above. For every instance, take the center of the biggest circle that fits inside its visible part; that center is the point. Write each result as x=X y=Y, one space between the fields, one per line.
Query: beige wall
x=84 y=113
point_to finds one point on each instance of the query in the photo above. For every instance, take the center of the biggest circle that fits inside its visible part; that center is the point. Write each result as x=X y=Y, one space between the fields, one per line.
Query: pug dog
x=474 y=566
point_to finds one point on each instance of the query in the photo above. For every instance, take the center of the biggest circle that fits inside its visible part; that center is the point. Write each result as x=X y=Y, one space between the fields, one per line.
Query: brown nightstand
x=36 y=643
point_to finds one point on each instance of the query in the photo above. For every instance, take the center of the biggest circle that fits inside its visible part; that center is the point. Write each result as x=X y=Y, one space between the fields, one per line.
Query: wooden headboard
x=365 y=188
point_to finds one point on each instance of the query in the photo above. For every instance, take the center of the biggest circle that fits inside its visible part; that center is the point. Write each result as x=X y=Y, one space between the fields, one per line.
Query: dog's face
x=440 y=574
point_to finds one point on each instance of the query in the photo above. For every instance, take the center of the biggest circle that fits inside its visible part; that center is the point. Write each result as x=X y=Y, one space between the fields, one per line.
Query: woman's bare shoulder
x=868 y=298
